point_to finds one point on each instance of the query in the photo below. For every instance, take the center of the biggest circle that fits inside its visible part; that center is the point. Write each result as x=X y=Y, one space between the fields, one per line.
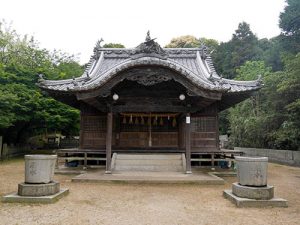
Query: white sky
x=74 y=26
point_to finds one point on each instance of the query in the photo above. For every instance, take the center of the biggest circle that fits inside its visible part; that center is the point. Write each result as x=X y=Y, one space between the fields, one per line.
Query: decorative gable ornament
x=149 y=48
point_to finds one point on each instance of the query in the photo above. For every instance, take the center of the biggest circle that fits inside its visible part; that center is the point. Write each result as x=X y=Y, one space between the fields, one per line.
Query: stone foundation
x=39 y=186
x=246 y=202
x=15 y=198
x=252 y=189
x=259 y=193
x=36 y=190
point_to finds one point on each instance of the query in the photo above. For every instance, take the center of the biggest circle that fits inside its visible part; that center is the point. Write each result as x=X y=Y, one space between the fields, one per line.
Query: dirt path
x=90 y=203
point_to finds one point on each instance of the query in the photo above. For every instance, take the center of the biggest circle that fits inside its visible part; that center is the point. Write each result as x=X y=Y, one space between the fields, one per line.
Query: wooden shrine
x=149 y=99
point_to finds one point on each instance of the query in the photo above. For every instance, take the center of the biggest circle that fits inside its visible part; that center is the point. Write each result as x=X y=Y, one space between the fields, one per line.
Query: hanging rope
x=152 y=115
x=134 y=118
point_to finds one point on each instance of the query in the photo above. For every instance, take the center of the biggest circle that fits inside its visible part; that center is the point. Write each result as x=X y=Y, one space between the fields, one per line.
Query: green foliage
x=270 y=118
x=272 y=51
x=242 y=47
x=251 y=69
x=8 y=102
x=290 y=24
x=24 y=110
x=187 y=41
x=66 y=70
x=211 y=44
x=290 y=18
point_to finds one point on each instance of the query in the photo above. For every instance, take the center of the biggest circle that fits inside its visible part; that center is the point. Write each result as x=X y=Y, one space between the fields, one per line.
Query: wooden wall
x=92 y=131
x=92 y=128
x=204 y=132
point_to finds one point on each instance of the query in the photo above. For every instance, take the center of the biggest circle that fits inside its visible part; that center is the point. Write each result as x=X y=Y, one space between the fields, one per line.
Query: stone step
x=148 y=162
x=152 y=168
x=135 y=162
x=149 y=156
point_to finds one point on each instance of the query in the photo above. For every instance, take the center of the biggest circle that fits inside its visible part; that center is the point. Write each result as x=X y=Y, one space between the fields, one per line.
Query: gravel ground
x=96 y=203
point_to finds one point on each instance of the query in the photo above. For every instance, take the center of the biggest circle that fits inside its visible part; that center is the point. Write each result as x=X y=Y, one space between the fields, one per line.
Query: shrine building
x=150 y=100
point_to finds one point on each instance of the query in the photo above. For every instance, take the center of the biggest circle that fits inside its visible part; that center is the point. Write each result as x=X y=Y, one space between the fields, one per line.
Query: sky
x=74 y=26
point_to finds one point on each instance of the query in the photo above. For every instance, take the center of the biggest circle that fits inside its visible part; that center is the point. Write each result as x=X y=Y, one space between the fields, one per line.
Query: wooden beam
x=188 y=143
x=108 y=141
x=96 y=104
x=149 y=108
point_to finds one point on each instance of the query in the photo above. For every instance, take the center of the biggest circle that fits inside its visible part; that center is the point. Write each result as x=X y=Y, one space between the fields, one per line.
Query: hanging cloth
x=155 y=121
x=149 y=120
x=174 y=122
x=161 y=122
x=142 y=120
x=136 y=120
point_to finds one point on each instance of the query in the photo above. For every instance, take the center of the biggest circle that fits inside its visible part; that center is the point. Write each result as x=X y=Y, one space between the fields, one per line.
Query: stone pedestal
x=252 y=189
x=264 y=193
x=247 y=202
x=39 y=186
x=35 y=190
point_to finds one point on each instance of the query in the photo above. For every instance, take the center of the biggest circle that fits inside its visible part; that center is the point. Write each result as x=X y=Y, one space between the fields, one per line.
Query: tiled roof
x=192 y=63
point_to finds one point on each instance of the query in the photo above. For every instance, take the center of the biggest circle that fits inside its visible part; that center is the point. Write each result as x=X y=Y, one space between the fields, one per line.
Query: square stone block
x=38 y=189
x=15 y=198
x=262 y=193
x=246 y=202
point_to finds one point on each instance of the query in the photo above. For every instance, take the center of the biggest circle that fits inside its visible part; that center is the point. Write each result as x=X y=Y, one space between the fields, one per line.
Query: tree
x=246 y=122
x=113 y=45
x=290 y=19
x=290 y=24
x=211 y=44
x=288 y=89
x=187 y=41
x=242 y=47
x=272 y=52
x=24 y=110
x=271 y=118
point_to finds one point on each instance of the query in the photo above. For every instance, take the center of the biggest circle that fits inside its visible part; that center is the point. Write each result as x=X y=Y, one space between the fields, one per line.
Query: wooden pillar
x=217 y=132
x=108 y=141
x=188 y=143
x=81 y=141
x=212 y=159
x=85 y=161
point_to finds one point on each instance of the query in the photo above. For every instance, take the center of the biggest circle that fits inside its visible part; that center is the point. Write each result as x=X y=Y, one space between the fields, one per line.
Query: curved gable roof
x=194 y=64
